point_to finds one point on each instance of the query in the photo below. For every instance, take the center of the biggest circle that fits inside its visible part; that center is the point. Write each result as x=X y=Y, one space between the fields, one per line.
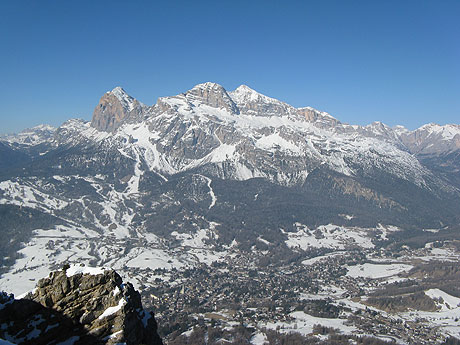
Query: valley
x=240 y=218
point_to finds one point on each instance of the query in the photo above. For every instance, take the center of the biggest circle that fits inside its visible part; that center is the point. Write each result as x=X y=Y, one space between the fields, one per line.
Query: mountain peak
x=32 y=136
x=212 y=94
x=118 y=89
x=244 y=93
x=126 y=100
x=245 y=88
x=251 y=102
x=114 y=108
x=208 y=85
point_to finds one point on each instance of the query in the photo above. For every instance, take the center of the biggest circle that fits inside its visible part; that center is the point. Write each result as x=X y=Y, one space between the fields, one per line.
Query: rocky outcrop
x=115 y=108
x=322 y=119
x=80 y=306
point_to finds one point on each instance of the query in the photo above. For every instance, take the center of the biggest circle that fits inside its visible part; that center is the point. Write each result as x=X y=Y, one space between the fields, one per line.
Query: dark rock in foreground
x=78 y=306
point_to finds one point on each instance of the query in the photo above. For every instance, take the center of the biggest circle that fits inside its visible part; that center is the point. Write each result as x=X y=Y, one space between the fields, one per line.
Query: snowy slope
x=204 y=126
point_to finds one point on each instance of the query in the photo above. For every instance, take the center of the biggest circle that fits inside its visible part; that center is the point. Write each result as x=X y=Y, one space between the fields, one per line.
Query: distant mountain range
x=239 y=164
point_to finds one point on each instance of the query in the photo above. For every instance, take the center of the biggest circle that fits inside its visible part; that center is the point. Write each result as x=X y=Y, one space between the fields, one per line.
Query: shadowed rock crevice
x=30 y=323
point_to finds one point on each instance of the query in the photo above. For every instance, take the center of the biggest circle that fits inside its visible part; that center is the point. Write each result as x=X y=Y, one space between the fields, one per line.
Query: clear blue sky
x=362 y=61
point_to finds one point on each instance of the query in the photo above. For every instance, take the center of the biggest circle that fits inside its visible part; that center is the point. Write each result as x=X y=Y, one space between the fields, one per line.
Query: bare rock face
x=90 y=308
x=115 y=108
x=214 y=95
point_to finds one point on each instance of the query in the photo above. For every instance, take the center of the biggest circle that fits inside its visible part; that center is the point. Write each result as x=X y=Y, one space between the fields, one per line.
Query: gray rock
x=97 y=308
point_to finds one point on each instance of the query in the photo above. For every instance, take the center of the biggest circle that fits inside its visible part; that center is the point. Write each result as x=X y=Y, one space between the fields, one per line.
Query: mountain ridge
x=241 y=188
x=198 y=143
x=129 y=104
x=206 y=126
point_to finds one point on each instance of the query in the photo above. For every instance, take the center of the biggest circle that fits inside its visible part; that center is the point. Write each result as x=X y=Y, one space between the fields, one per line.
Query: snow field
x=376 y=271
x=303 y=324
x=328 y=236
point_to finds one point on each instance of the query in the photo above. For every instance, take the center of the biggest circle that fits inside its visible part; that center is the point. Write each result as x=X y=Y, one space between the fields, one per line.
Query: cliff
x=75 y=306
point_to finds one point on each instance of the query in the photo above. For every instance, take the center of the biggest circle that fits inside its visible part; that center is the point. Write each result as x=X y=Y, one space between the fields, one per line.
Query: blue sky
x=362 y=61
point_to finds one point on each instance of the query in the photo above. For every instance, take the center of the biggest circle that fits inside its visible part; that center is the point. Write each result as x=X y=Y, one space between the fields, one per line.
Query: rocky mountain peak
x=126 y=100
x=213 y=95
x=379 y=128
x=85 y=305
x=252 y=102
x=321 y=118
x=432 y=139
x=209 y=86
x=119 y=90
x=115 y=108
x=244 y=94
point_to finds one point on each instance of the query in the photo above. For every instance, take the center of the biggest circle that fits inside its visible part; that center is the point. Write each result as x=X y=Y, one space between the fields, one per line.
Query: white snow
x=316 y=259
x=113 y=335
x=449 y=301
x=116 y=291
x=376 y=271
x=304 y=323
x=144 y=147
x=328 y=236
x=150 y=258
x=207 y=256
x=446 y=132
x=275 y=142
x=74 y=269
x=222 y=153
x=386 y=229
x=335 y=144
x=49 y=249
x=125 y=100
x=26 y=194
x=259 y=338
x=196 y=240
x=32 y=136
x=211 y=193
x=112 y=310
x=244 y=93
x=261 y=239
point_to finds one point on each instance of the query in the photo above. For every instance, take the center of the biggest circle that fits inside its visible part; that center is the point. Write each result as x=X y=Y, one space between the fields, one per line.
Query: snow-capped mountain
x=210 y=179
x=432 y=139
x=213 y=170
x=236 y=135
x=31 y=136
x=241 y=135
